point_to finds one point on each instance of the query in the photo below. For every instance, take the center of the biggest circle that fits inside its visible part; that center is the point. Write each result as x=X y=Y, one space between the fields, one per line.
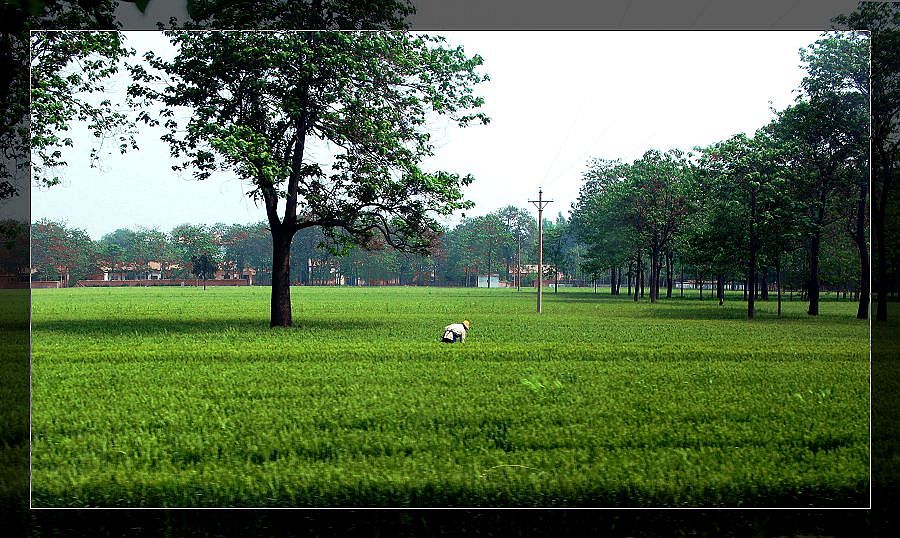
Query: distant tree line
x=784 y=207
x=496 y=242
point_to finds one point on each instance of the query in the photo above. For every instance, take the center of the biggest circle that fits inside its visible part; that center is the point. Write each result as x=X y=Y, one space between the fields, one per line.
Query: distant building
x=494 y=281
x=229 y=271
x=151 y=270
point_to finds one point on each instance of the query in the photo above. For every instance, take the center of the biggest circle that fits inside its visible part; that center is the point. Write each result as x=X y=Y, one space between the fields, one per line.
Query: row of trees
x=65 y=253
x=455 y=257
x=259 y=129
x=747 y=207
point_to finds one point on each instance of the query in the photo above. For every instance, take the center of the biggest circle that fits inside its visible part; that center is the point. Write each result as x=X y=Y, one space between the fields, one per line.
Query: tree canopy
x=328 y=127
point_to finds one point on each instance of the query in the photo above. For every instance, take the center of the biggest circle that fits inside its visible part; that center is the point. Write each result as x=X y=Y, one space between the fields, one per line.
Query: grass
x=185 y=397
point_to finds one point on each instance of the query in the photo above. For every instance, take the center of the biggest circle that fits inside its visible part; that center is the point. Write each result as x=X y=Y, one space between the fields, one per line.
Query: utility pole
x=540 y=203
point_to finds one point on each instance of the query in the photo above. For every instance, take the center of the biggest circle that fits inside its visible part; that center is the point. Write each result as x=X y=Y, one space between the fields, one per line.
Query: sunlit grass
x=185 y=397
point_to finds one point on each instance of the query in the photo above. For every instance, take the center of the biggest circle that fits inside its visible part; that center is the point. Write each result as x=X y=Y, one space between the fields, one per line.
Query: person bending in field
x=456 y=332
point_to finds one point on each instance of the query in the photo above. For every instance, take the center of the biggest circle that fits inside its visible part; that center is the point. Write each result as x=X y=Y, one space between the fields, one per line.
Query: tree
x=827 y=134
x=60 y=252
x=781 y=228
x=152 y=246
x=743 y=180
x=14 y=251
x=247 y=246
x=119 y=250
x=259 y=99
x=598 y=220
x=558 y=245
x=714 y=240
x=67 y=68
x=463 y=253
x=488 y=237
x=519 y=231
x=202 y=267
x=660 y=184
x=16 y=87
x=882 y=21
x=189 y=242
x=838 y=65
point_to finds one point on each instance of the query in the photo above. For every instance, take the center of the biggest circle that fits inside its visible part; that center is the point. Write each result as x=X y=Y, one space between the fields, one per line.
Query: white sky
x=556 y=100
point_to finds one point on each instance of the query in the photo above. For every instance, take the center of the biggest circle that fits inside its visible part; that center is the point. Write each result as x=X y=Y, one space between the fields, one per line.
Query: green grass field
x=185 y=397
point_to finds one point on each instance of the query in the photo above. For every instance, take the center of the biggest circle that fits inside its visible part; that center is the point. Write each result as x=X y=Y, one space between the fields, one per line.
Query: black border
x=487 y=15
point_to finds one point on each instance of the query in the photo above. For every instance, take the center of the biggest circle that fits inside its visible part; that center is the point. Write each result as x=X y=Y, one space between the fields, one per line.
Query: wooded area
x=785 y=208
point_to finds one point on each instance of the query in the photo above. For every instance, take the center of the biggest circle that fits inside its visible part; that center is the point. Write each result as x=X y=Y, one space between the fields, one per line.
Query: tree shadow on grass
x=163 y=326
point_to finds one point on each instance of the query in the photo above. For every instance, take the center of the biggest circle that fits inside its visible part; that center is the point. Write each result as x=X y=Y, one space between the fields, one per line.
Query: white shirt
x=458 y=329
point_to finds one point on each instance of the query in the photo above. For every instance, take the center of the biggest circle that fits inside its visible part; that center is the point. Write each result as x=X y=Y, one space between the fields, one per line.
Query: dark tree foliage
x=828 y=135
x=17 y=19
x=202 y=267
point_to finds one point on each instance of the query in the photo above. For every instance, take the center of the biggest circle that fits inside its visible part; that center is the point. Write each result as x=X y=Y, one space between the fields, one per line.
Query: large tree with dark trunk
x=745 y=180
x=663 y=183
x=599 y=221
x=328 y=128
x=828 y=133
x=838 y=64
x=882 y=21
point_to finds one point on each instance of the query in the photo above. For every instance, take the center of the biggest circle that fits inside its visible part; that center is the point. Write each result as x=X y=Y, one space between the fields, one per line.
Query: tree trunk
x=881 y=267
x=720 y=288
x=281 y=279
x=813 y=283
x=778 y=279
x=642 y=277
x=859 y=237
x=637 y=276
x=682 y=280
x=751 y=265
x=878 y=228
x=628 y=276
x=751 y=282
x=657 y=282
x=670 y=262
x=654 y=274
x=764 y=284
